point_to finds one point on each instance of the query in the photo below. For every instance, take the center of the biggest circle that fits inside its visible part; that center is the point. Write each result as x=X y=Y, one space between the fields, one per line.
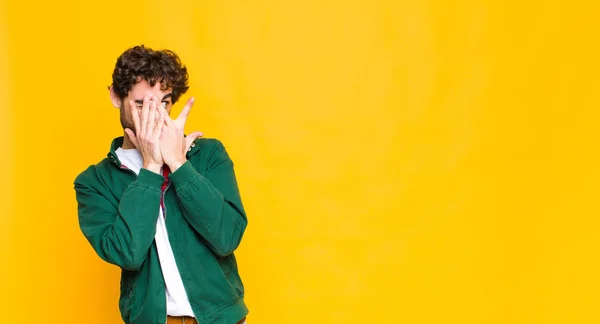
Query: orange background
x=400 y=161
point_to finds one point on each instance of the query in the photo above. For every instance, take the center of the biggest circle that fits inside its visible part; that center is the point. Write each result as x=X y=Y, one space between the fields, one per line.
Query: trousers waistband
x=190 y=320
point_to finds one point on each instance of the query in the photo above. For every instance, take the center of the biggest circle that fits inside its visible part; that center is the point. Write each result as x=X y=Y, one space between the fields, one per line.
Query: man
x=162 y=206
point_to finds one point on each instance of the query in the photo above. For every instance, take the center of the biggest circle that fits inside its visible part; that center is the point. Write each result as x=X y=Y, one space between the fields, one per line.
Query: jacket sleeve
x=211 y=202
x=121 y=233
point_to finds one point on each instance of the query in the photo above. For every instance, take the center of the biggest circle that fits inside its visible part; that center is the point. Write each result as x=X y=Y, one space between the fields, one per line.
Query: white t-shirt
x=178 y=303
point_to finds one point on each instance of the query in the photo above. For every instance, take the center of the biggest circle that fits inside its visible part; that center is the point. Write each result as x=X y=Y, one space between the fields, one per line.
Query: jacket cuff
x=150 y=179
x=183 y=174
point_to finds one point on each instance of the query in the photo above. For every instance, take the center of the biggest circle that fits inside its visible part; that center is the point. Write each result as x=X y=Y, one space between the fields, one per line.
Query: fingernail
x=192 y=99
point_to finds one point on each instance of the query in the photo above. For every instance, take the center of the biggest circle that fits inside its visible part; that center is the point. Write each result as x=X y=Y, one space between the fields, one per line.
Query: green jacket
x=118 y=212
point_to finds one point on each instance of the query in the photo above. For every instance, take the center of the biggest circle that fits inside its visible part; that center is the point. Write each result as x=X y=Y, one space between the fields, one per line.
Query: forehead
x=143 y=88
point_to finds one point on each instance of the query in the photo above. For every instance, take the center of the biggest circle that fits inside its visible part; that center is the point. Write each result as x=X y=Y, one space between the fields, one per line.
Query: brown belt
x=188 y=320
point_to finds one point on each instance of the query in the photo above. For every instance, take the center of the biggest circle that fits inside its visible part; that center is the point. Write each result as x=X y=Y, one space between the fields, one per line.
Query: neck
x=127 y=145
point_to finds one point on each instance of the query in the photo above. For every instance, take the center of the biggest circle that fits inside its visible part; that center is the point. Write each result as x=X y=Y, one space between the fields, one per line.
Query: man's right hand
x=148 y=128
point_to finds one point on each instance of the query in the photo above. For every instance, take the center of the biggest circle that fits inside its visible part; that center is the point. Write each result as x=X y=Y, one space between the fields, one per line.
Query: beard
x=124 y=122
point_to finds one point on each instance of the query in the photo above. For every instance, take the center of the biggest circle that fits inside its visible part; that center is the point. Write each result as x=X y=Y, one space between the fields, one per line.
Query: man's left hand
x=173 y=143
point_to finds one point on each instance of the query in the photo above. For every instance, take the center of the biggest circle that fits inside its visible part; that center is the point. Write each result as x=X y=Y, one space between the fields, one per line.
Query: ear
x=114 y=98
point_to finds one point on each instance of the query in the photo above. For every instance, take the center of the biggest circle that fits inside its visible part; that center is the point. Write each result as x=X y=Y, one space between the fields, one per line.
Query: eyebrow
x=167 y=96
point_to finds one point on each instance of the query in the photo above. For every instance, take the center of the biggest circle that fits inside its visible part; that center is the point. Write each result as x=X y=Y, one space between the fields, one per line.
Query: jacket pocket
x=229 y=268
x=237 y=281
x=127 y=291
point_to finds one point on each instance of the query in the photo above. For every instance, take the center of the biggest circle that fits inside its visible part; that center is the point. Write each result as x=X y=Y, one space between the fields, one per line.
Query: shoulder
x=91 y=174
x=208 y=144
x=207 y=147
x=208 y=152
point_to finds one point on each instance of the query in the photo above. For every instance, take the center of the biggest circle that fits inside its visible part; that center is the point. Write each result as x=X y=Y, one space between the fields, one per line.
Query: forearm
x=122 y=235
x=217 y=217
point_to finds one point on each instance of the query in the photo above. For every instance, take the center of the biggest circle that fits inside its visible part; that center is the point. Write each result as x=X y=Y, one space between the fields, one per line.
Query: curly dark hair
x=141 y=62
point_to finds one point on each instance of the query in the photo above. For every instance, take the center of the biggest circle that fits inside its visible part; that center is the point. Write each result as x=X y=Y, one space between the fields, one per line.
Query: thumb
x=189 y=140
x=131 y=136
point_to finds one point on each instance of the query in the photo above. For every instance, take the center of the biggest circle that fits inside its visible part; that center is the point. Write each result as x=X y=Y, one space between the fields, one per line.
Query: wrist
x=154 y=167
x=175 y=164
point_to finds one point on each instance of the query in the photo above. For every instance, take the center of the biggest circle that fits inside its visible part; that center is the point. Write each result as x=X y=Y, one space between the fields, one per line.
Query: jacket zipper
x=164 y=203
x=123 y=167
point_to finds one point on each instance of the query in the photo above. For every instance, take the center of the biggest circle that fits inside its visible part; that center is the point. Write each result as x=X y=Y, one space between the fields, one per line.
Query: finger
x=168 y=121
x=166 y=118
x=185 y=112
x=160 y=122
x=161 y=108
x=135 y=115
x=151 y=122
x=131 y=136
x=191 y=138
x=145 y=110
